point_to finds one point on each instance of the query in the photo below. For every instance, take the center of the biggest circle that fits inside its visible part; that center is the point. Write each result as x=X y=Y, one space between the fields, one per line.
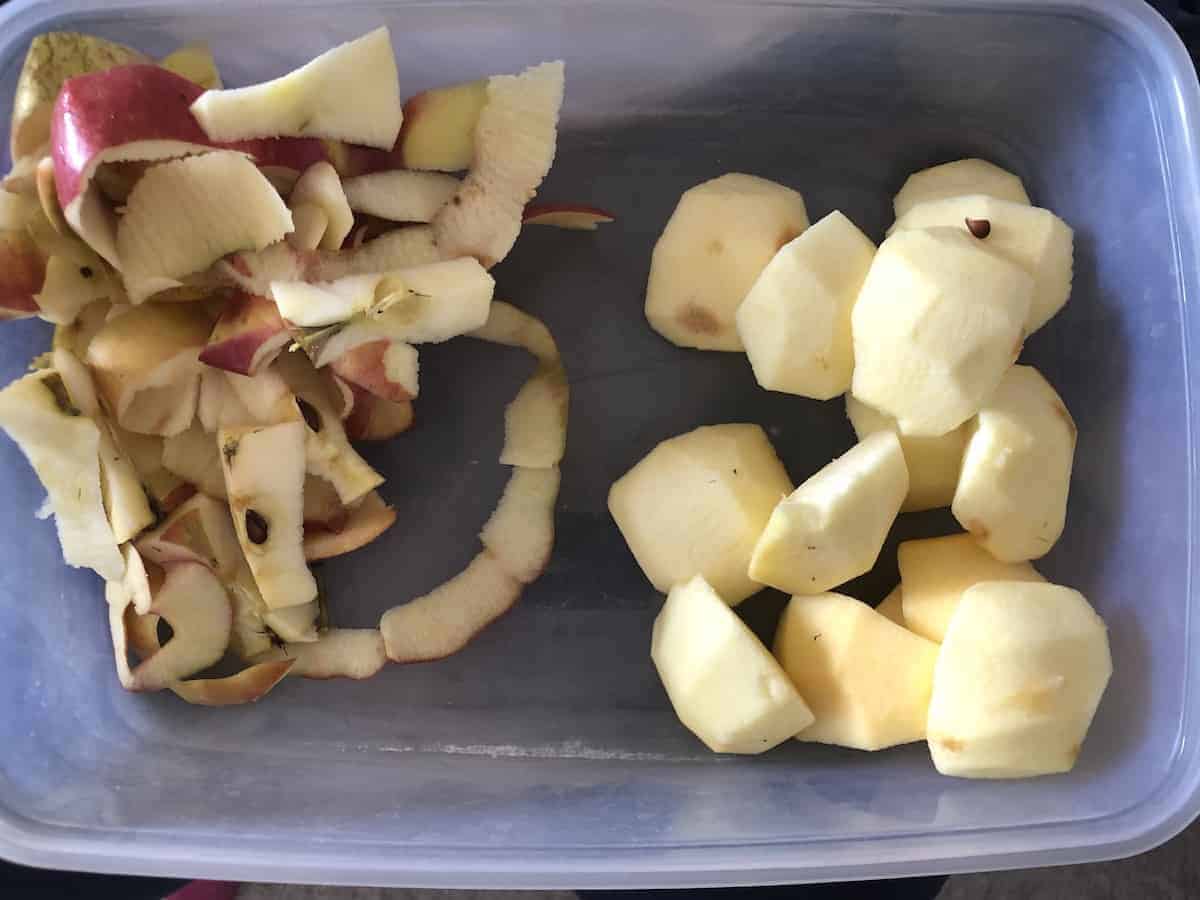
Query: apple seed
x=979 y=228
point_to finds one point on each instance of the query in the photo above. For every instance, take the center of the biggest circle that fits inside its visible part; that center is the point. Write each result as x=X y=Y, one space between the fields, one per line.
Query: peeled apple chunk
x=933 y=462
x=184 y=215
x=349 y=93
x=866 y=679
x=320 y=186
x=515 y=141
x=1012 y=494
x=1017 y=682
x=935 y=572
x=721 y=236
x=338 y=653
x=439 y=127
x=1035 y=239
x=63 y=447
x=954 y=179
x=401 y=195
x=54 y=57
x=833 y=526
x=795 y=322
x=442 y=622
x=938 y=322
x=264 y=477
x=146 y=366
x=724 y=684
x=696 y=505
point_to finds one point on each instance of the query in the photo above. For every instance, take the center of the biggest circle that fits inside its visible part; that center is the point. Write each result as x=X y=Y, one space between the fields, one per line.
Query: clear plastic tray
x=545 y=754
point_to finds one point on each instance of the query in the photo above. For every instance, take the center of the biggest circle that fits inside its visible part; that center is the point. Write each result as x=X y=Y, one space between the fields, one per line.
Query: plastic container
x=545 y=754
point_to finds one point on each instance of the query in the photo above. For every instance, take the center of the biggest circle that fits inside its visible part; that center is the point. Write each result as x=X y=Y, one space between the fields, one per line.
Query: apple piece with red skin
x=248 y=336
x=355 y=653
x=443 y=621
x=388 y=369
x=199 y=530
x=22 y=273
x=574 y=217
x=366 y=521
x=439 y=128
x=372 y=418
x=146 y=365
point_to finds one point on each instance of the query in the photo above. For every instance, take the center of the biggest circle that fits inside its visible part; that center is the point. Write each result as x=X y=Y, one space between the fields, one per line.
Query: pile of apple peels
x=238 y=280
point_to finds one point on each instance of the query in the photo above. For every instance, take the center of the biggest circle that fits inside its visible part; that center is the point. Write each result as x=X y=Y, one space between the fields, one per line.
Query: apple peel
x=197 y=531
x=565 y=215
x=356 y=653
x=372 y=418
x=520 y=533
x=400 y=195
x=367 y=521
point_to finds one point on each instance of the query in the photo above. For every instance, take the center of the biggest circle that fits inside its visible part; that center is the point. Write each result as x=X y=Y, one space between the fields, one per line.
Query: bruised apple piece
x=366 y=521
x=63 y=446
x=439 y=127
x=443 y=621
x=195 y=605
x=535 y=422
x=193 y=456
x=22 y=272
x=54 y=57
x=375 y=419
x=146 y=366
x=349 y=93
x=356 y=653
x=320 y=186
x=565 y=215
x=520 y=533
x=184 y=215
x=199 y=530
x=515 y=139
x=264 y=478
x=400 y=195
x=195 y=63
x=249 y=334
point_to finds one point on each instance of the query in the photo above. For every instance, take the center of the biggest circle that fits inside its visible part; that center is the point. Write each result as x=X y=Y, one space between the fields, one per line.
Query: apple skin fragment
x=520 y=533
x=247 y=686
x=568 y=216
x=400 y=195
x=63 y=446
x=443 y=621
x=355 y=653
x=349 y=93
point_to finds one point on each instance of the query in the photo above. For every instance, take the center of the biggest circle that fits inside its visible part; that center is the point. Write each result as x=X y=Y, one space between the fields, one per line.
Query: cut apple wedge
x=184 y=215
x=248 y=336
x=400 y=195
x=367 y=521
x=199 y=530
x=439 y=128
x=193 y=456
x=520 y=533
x=535 y=422
x=194 y=603
x=566 y=215
x=515 y=139
x=63 y=447
x=195 y=63
x=22 y=273
x=52 y=58
x=412 y=245
x=443 y=621
x=374 y=419
x=320 y=186
x=510 y=326
x=349 y=93
x=356 y=653
x=146 y=366
x=264 y=477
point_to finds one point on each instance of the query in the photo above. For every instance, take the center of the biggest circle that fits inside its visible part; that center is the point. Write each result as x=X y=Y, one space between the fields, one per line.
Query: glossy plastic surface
x=545 y=754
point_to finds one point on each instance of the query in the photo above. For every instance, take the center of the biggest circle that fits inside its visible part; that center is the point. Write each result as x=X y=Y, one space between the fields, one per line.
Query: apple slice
x=199 y=530
x=535 y=422
x=412 y=245
x=320 y=186
x=63 y=447
x=573 y=217
x=248 y=336
x=195 y=63
x=510 y=326
x=367 y=521
x=309 y=224
x=185 y=214
x=249 y=636
x=146 y=366
x=401 y=195
x=264 y=477
x=350 y=93
x=356 y=653
x=193 y=456
x=193 y=601
x=375 y=419
x=53 y=57
x=22 y=273
x=443 y=621
x=439 y=127
x=515 y=141
x=520 y=533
